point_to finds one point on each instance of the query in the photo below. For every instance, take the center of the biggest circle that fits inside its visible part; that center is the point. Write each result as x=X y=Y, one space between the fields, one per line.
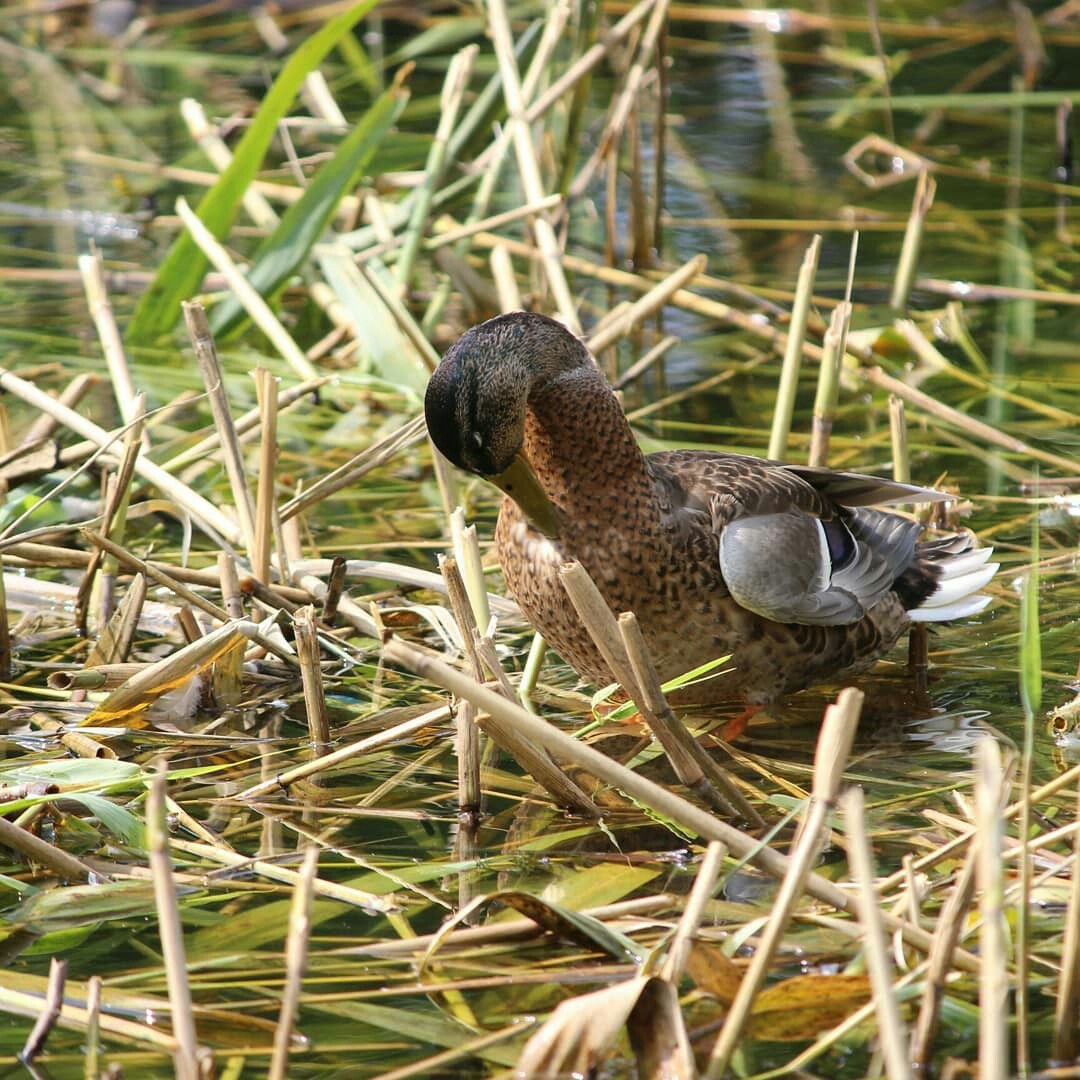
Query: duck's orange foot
x=736 y=726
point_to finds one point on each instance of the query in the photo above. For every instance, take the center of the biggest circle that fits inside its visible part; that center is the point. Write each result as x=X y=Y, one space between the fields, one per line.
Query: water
x=736 y=191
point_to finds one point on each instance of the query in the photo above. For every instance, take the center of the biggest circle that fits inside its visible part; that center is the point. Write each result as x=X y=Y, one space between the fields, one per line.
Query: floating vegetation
x=289 y=787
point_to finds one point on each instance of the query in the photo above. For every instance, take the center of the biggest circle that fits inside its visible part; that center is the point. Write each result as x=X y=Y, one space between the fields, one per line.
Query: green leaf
x=571 y=925
x=421 y=1024
x=78 y=905
x=116 y=819
x=595 y=886
x=707 y=670
x=281 y=254
x=102 y=771
x=183 y=267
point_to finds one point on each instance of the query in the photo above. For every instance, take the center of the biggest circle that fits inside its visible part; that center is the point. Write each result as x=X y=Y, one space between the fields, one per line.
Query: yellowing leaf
x=806 y=1005
x=713 y=972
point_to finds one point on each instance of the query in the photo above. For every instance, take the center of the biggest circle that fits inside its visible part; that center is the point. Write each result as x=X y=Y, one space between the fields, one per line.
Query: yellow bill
x=520 y=483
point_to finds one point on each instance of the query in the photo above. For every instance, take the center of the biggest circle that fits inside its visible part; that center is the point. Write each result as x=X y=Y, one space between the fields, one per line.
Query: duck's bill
x=520 y=483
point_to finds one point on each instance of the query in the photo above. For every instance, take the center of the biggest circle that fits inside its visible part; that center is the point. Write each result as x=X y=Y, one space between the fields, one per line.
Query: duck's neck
x=580 y=445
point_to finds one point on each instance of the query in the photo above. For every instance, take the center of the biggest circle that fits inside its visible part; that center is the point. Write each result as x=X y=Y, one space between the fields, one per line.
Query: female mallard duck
x=784 y=567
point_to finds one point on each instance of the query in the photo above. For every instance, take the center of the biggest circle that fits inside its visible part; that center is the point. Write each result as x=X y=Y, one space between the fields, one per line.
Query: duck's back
x=762 y=522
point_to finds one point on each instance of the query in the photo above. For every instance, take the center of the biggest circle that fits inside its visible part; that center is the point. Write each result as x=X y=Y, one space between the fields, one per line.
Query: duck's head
x=476 y=399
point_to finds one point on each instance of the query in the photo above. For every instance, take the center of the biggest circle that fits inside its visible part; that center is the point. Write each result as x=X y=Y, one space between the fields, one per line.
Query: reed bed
x=289 y=785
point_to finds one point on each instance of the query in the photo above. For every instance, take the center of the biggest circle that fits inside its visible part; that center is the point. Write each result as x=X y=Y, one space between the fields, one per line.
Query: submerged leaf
x=804 y=1006
x=99 y=772
x=572 y=925
x=77 y=905
x=713 y=971
x=415 y=1024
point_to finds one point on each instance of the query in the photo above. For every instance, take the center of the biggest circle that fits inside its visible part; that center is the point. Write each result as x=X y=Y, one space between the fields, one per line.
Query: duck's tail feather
x=958 y=570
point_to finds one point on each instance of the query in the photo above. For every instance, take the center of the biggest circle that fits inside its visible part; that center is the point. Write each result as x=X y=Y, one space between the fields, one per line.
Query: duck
x=792 y=572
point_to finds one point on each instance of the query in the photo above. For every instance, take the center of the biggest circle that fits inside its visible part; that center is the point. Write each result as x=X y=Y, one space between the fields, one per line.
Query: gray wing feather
x=767 y=519
x=779 y=565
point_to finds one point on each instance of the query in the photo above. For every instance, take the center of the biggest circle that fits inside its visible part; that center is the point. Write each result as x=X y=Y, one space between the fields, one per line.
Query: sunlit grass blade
x=288 y=246
x=182 y=269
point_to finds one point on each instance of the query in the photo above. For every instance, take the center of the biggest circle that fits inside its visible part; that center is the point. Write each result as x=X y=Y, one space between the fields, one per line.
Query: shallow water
x=735 y=193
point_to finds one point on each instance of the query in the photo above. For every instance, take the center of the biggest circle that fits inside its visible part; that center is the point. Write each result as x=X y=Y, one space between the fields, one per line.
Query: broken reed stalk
x=679 y=950
x=284 y=780
x=307 y=652
x=75 y=742
x=114 y=500
x=70 y=396
x=467 y=739
x=833 y=749
x=245 y=424
x=409 y=434
x=186 y=1056
x=5 y=629
x=296 y=947
x=208 y=516
x=112 y=345
x=610 y=638
x=91 y=1069
x=253 y=303
x=925 y=187
x=54 y=859
x=793 y=352
x=894 y=1042
x=639 y=367
x=976 y=428
x=231 y=596
x=114 y=639
x=528 y=164
x=467 y=551
x=206 y=356
x=267 y=525
x=828 y=385
x=504 y=713
x=1067 y=1010
x=113 y=524
x=50 y=1012
x=619 y=113
x=98 y=677
x=453 y=92
x=901 y=459
x=993 y=954
x=274 y=871
x=950 y=923
x=678 y=742
x=646 y=305
x=502 y=273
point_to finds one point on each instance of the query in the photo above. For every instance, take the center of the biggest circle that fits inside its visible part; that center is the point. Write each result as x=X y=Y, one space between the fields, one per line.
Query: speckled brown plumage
x=650 y=529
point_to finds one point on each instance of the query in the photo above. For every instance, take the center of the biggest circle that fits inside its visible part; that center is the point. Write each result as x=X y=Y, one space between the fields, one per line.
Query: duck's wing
x=795 y=545
x=855 y=489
